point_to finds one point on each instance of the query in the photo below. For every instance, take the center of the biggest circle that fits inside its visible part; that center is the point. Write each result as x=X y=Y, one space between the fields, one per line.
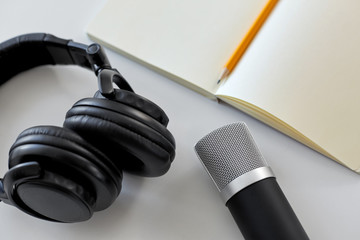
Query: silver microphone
x=247 y=184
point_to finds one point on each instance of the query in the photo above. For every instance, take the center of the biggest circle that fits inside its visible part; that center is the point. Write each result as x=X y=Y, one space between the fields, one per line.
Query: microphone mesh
x=229 y=152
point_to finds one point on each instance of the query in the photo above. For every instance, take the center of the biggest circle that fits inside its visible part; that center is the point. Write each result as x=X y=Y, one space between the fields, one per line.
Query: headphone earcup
x=133 y=139
x=72 y=171
x=138 y=102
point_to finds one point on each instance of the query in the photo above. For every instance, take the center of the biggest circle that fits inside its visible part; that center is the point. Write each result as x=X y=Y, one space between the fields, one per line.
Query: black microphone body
x=262 y=211
x=248 y=185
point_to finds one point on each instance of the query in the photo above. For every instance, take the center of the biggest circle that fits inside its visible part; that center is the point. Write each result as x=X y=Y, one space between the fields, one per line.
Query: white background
x=183 y=204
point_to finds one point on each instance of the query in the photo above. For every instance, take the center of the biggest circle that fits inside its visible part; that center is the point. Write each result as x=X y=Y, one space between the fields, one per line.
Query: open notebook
x=300 y=74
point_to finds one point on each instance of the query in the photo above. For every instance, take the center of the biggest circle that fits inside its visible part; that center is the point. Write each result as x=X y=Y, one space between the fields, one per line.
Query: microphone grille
x=229 y=152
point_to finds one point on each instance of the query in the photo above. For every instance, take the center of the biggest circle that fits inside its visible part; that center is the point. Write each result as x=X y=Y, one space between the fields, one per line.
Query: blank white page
x=184 y=39
x=304 y=68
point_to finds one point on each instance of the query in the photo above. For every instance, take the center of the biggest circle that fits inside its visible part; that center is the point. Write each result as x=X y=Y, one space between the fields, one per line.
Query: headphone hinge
x=97 y=58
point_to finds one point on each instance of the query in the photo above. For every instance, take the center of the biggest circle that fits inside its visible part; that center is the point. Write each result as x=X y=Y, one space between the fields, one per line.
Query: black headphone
x=66 y=174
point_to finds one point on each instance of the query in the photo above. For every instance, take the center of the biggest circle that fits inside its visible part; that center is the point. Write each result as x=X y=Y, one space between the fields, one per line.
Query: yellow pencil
x=235 y=57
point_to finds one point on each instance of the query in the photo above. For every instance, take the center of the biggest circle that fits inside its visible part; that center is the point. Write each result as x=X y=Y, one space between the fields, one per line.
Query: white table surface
x=183 y=204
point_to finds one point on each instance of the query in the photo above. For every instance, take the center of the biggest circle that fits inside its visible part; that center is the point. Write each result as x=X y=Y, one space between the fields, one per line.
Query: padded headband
x=31 y=50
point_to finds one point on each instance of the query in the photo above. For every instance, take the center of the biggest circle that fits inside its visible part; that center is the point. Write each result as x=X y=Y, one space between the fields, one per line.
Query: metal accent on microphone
x=247 y=185
x=232 y=159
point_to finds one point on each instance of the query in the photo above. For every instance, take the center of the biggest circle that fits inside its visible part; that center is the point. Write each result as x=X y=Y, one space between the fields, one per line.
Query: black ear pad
x=62 y=153
x=140 y=103
x=133 y=140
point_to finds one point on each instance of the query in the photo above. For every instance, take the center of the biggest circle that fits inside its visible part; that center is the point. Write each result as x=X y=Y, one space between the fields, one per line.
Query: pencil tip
x=223 y=75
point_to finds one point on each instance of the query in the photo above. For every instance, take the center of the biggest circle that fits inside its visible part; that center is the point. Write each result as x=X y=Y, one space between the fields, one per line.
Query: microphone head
x=229 y=154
